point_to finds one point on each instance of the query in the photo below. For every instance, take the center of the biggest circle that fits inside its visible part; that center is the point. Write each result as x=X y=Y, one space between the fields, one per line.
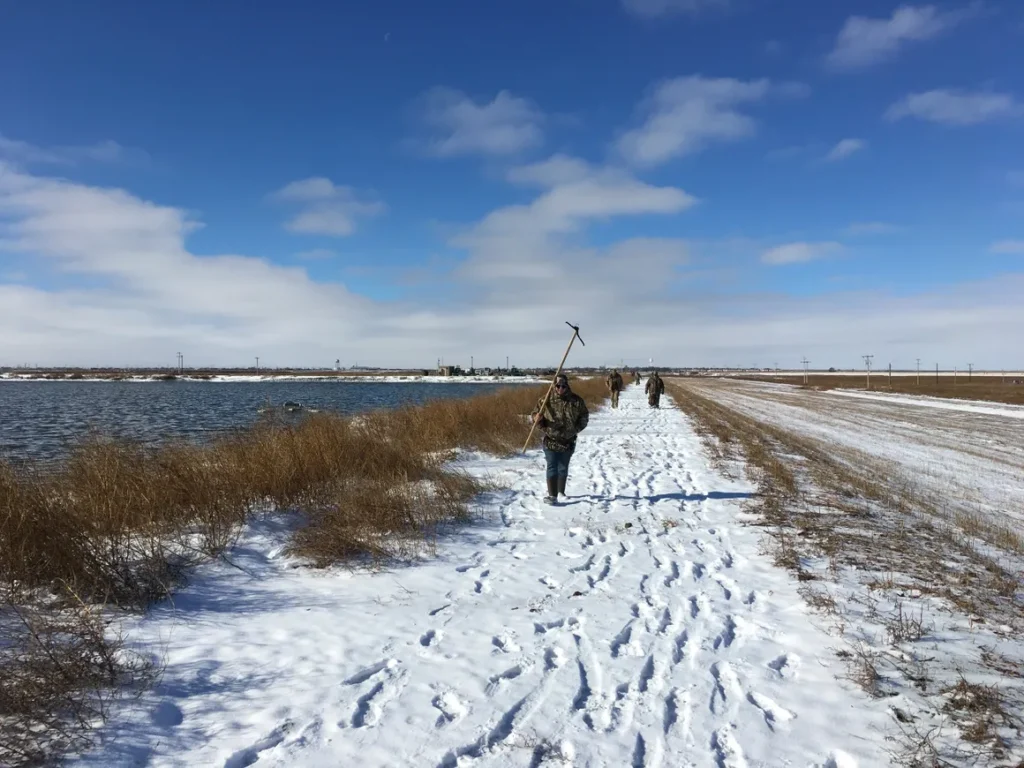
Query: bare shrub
x=903 y=627
x=60 y=669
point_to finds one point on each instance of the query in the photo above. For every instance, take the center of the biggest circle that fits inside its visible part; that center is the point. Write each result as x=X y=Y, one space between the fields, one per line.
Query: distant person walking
x=614 y=384
x=655 y=389
x=636 y=376
x=563 y=417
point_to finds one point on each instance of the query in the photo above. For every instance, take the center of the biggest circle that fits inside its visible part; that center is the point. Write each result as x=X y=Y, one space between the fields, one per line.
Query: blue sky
x=700 y=181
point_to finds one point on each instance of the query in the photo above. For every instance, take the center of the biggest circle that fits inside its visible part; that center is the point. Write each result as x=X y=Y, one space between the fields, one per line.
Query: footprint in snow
x=785 y=666
x=496 y=682
x=431 y=638
x=549 y=582
x=506 y=643
x=250 y=755
x=838 y=759
x=774 y=715
x=450 y=707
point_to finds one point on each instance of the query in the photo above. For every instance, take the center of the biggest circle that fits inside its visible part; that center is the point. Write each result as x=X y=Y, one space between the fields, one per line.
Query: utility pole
x=257 y=366
x=507 y=369
x=936 y=374
x=806 y=362
x=471 y=363
x=867 y=362
x=970 y=370
x=919 y=371
x=890 y=375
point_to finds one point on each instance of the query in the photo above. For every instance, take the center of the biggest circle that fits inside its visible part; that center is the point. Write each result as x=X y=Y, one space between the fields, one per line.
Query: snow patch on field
x=964 y=406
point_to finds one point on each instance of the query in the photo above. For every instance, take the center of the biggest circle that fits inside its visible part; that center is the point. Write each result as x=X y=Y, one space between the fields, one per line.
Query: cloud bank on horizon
x=451 y=196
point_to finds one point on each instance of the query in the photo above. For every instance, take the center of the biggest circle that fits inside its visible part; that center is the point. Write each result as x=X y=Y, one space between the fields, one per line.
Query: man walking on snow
x=655 y=389
x=614 y=382
x=563 y=417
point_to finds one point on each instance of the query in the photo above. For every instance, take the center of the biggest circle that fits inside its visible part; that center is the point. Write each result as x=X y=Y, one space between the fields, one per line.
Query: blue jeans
x=558 y=463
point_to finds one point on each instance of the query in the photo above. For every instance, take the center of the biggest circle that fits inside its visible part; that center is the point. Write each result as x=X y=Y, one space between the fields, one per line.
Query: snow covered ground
x=1004 y=410
x=634 y=625
x=931 y=622
x=968 y=454
x=875 y=372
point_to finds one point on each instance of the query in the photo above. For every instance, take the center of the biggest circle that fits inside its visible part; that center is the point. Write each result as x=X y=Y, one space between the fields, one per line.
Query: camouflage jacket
x=566 y=417
x=655 y=386
x=614 y=381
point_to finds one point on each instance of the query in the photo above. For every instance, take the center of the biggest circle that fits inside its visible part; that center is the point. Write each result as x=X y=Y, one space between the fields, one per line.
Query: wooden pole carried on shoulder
x=543 y=405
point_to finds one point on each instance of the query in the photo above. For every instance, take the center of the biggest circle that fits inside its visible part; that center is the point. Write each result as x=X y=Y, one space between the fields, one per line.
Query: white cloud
x=658 y=8
x=528 y=263
x=504 y=126
x=685 y=114
x=871 y=228
x=844 y=149
x=557 y=169
x=23 y=151
x=575 y=193
x=102 y=152
x=798 y=253
x=864 y=41
x=955 y=107
x=326 y=209
x=144 y=295
x=1008 y=246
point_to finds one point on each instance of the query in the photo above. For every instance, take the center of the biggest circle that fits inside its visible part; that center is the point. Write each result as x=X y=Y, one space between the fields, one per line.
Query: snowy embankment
x=971 y=455
x=635 y=624
x=906 y=523
x=790 y=373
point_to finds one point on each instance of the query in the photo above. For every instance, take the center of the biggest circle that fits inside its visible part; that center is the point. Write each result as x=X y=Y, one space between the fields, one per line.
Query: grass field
x=961 y=387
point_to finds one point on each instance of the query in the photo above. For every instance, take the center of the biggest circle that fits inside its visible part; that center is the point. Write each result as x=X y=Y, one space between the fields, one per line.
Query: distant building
x=449 y=370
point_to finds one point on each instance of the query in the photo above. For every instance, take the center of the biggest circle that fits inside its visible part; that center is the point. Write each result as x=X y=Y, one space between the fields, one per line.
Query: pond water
x=40 y=420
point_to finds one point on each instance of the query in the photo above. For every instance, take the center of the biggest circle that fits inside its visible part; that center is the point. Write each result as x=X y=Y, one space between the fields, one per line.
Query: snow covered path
x=634 y=625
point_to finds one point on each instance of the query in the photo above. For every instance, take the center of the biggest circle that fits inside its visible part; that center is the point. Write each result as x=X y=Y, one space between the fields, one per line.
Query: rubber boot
x=561 y=485
x=552 y=497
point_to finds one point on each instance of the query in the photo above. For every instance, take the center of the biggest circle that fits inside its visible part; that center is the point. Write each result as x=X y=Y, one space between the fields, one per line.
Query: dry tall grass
x=118 y=523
